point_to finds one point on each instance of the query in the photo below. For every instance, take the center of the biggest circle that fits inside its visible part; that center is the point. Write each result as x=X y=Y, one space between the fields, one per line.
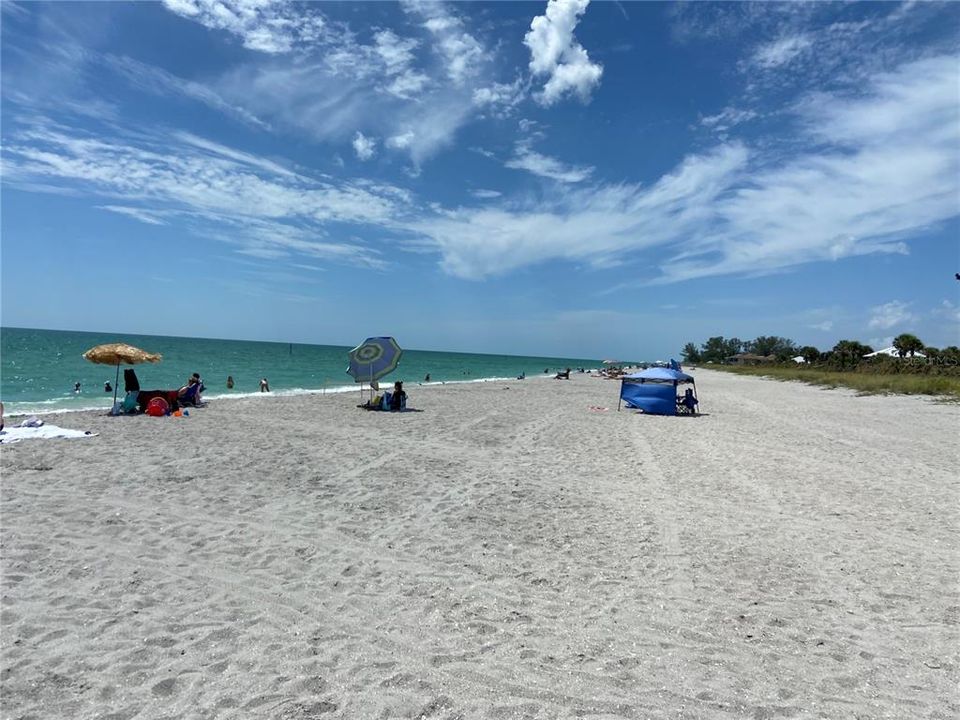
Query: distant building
x=892 y=352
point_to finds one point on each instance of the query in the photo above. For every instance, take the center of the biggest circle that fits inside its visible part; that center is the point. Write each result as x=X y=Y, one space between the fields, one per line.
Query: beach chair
x=686 y=408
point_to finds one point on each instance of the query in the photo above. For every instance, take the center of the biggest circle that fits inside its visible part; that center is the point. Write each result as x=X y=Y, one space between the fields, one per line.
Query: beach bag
x=157 y=407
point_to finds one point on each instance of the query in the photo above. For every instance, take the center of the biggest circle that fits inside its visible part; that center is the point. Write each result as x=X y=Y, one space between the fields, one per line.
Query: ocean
x=39 y=368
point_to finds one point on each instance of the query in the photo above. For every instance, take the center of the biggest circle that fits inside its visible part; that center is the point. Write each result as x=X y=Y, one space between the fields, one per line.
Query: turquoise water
x=38 y=368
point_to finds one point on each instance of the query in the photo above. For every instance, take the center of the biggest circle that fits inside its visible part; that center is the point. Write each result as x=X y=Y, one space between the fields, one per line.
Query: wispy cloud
x=880 y=166
x=257 y=205
x=483 y=194
x=781 y=52
x=727 y=118
x=154 y=80
x=462 y=54
x=888 y=315
x=545 y=166
x=556 y=54
x=144 y=216
x=262 y=25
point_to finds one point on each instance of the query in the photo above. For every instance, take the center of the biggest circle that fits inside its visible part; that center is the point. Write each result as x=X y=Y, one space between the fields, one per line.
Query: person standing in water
x=76 y=387
x=229 y=382
x=107 y=387
x=264 y=385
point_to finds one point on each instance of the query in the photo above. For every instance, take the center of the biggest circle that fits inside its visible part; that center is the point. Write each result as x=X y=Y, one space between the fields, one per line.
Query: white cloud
x=401 y=141
x=951 y=312
x=363 y=146
x=825 y=326
x=144 y=216
x=888 y=315
x=152 y=79
x=500 y=97
x=420 y=88
x=781 y=52
x=398 y=58
x=555 y=53
x=548 y=167
x=879 y=343
x=486 y=194
x=253 y=203
x=268 y=26
x=728 y=118
x=879 y=168
x=462 y=54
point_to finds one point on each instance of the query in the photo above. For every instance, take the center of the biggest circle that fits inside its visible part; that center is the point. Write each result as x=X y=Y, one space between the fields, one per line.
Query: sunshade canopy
x=662 y=375
x=374 y=358
x=654 y=391
x=120 y=353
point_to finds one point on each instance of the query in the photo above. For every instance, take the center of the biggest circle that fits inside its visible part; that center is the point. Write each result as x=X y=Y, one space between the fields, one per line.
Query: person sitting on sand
x=189 y=394
x=688 y=400
x=562 y=375
x=399 y=398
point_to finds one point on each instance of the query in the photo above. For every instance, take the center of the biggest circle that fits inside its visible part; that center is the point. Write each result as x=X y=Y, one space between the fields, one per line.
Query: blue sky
x=547 y=178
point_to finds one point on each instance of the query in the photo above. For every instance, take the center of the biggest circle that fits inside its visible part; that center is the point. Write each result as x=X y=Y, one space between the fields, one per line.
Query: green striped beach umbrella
x=374 y=358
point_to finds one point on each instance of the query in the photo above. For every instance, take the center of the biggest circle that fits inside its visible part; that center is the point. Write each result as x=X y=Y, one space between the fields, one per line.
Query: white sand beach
x=509 y=551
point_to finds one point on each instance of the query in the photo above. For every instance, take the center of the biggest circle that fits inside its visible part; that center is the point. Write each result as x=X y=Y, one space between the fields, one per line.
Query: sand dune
x=509 y=552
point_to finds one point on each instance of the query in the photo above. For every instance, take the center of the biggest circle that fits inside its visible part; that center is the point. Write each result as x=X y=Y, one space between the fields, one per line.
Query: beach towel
x=42 y=432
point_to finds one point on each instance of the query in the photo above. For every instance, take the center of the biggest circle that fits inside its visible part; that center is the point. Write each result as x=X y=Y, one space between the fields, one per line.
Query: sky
x=559 y=178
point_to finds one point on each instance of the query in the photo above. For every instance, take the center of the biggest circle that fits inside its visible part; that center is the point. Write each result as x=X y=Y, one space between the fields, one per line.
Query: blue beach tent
x=654 y=391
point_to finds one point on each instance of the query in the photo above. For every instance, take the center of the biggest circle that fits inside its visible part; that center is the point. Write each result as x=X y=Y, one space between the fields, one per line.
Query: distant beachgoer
x=107 y=387
x=76 y=387
x=426 y=378
x=264 y=385
x=1 y=417
x=399 y=397
x=189 y=394
x=522 y=375
x=229 y=382
x=196 y=376
x=688 y=401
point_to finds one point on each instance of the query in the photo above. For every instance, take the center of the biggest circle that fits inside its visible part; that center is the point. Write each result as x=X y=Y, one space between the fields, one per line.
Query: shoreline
x=285 y=393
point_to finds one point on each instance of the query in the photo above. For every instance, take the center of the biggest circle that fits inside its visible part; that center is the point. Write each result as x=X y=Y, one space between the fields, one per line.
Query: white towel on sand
x=44 y=432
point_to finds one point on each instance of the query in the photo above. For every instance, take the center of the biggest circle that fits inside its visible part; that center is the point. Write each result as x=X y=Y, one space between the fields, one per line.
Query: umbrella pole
x=116 y=385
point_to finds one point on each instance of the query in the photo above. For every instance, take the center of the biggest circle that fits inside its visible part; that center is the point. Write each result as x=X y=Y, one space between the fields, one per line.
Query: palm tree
x=907 y=344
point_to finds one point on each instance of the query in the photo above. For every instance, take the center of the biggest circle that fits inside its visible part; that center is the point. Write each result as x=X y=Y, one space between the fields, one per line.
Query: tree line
x=846 y=353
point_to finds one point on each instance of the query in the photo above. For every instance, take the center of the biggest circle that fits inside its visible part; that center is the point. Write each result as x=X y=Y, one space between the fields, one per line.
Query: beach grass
x=947 y=386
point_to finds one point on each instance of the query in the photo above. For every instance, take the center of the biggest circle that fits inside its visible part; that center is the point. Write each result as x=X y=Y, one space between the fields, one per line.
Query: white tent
x=892 y=352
